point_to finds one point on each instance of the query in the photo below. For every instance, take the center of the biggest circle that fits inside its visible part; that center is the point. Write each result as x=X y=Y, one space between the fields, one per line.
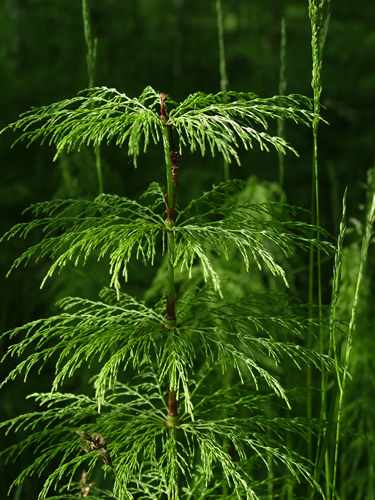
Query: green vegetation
x=181 y=359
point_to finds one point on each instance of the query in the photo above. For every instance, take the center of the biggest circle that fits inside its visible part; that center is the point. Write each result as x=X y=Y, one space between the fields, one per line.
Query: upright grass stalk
x=282 y=90
x=318 y=28
x=281 y=133
x=334 y=347
x=92 y=45
x=353 y=319
x=316 y=18
x=222 y=65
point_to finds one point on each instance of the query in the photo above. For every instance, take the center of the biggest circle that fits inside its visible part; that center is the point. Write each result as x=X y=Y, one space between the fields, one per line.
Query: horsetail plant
x=160 y=420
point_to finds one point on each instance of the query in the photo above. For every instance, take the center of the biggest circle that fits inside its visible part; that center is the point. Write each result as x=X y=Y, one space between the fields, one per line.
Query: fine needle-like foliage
x=220 y=122
x=160 y=419
x=118 y=226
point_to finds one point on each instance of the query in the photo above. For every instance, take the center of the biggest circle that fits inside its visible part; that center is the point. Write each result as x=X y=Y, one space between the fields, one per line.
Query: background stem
x=91 y=61
x=282 y=91
x=316 y=14
x=222 y=65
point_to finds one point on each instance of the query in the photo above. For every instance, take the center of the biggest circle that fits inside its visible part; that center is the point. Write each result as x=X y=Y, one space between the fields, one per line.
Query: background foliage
x=172 y=45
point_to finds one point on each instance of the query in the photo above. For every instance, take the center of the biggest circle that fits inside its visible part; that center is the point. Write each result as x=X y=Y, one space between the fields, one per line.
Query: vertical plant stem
x=170 y=322
x=353 y=319
x=170 y=224
x=282 y=90
x=309 y=342
x=223 y=87
x=98 y=164
x=281 y=133
x=222 y=65
x=334 y=347
x=91 y=61
x=168 y=166
x=316 y=16
x=90 y=43
x=318 y=29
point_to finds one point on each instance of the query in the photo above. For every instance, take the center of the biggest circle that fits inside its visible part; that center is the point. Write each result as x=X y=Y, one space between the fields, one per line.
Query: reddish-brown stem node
x=170 y=210
x=171 y=316
x=163 y=112
x=172 y=419
x=172 y=404
x=175 y=165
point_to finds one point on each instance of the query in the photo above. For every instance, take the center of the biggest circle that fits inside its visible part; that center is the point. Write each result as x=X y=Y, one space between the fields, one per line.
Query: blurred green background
x=171 y=45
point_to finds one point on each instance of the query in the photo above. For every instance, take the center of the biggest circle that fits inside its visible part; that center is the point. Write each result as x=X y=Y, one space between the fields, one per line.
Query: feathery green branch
x=221 y=121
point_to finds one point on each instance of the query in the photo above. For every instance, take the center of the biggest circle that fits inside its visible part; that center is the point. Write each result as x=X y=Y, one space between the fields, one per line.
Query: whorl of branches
x=219 y=122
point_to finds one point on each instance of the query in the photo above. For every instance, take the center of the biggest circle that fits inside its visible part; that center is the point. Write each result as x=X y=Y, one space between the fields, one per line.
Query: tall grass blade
x=318 y=26
x=334 y=347
x=353 y=319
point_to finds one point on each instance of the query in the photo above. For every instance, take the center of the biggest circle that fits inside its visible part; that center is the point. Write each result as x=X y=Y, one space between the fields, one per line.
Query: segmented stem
x=170 y=223
x=170 y=322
